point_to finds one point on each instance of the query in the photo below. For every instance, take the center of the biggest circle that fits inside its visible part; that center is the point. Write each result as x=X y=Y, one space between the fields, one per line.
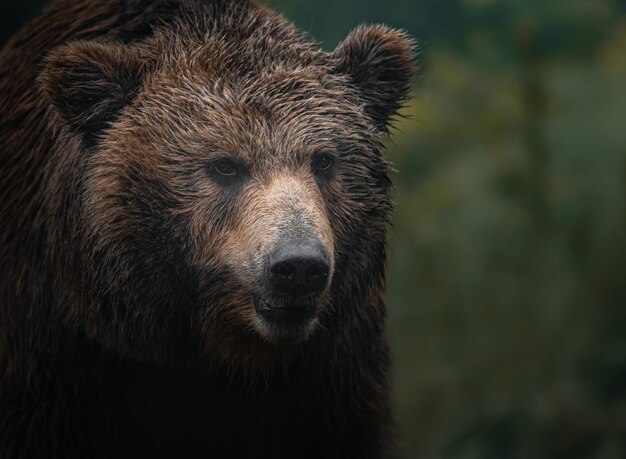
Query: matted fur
x=127 y=325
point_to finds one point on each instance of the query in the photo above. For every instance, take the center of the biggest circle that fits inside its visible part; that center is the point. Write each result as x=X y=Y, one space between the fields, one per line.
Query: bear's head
x=229 y=196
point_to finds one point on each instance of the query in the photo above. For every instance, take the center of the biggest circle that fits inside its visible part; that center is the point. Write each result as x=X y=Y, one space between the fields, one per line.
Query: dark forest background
x=507 y=270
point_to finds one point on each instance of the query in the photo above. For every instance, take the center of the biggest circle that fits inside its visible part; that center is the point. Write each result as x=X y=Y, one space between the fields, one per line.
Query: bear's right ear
x=89 y=83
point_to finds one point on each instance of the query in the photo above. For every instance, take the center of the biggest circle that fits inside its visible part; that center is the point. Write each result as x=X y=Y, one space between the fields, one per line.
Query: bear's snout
x=297 y=275
x=299 y=268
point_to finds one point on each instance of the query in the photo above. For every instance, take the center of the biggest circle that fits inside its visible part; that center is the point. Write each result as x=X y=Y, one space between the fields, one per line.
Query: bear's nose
x=298 y=269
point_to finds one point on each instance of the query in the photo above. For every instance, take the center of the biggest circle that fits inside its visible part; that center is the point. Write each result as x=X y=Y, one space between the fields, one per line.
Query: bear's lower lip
x=284 y=316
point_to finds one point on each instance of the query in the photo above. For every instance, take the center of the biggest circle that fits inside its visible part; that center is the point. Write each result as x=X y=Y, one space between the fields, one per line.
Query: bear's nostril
x=317 y=270
x=298 y=269
x=283 y=269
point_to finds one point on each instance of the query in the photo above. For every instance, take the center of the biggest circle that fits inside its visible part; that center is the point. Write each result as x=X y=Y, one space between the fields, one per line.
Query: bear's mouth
x=284 y=319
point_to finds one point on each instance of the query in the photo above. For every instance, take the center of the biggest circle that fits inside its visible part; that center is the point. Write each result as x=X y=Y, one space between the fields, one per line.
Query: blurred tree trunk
x=535 y=105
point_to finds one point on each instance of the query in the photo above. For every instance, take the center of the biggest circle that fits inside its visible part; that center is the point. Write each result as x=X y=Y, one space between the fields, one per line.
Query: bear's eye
x=323 y=162
x=226 y=171
x=226 y=167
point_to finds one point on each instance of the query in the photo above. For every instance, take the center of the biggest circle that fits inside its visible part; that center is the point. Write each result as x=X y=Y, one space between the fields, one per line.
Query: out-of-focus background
x=507 y=270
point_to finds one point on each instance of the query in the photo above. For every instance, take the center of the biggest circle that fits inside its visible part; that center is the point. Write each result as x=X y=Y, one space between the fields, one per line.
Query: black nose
x=298 y=269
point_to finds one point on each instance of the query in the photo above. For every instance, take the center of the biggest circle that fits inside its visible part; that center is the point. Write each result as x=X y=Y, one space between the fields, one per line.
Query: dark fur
x=122 y=331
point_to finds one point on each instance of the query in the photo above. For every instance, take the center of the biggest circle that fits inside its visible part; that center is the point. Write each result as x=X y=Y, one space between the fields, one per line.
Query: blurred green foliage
x=507 y=271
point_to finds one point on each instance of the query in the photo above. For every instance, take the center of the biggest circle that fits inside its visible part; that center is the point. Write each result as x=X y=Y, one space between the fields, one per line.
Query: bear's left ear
x=89 y=83
x=379 y=62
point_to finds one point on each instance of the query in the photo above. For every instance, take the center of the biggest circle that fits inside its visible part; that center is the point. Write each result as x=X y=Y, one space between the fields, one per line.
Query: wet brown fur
x=127 y=327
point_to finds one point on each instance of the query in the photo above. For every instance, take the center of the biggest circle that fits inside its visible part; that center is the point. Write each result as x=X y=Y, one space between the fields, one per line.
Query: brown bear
x=193 y=207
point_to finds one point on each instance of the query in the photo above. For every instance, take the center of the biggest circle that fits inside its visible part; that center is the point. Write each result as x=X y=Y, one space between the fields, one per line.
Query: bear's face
x=226 y=196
